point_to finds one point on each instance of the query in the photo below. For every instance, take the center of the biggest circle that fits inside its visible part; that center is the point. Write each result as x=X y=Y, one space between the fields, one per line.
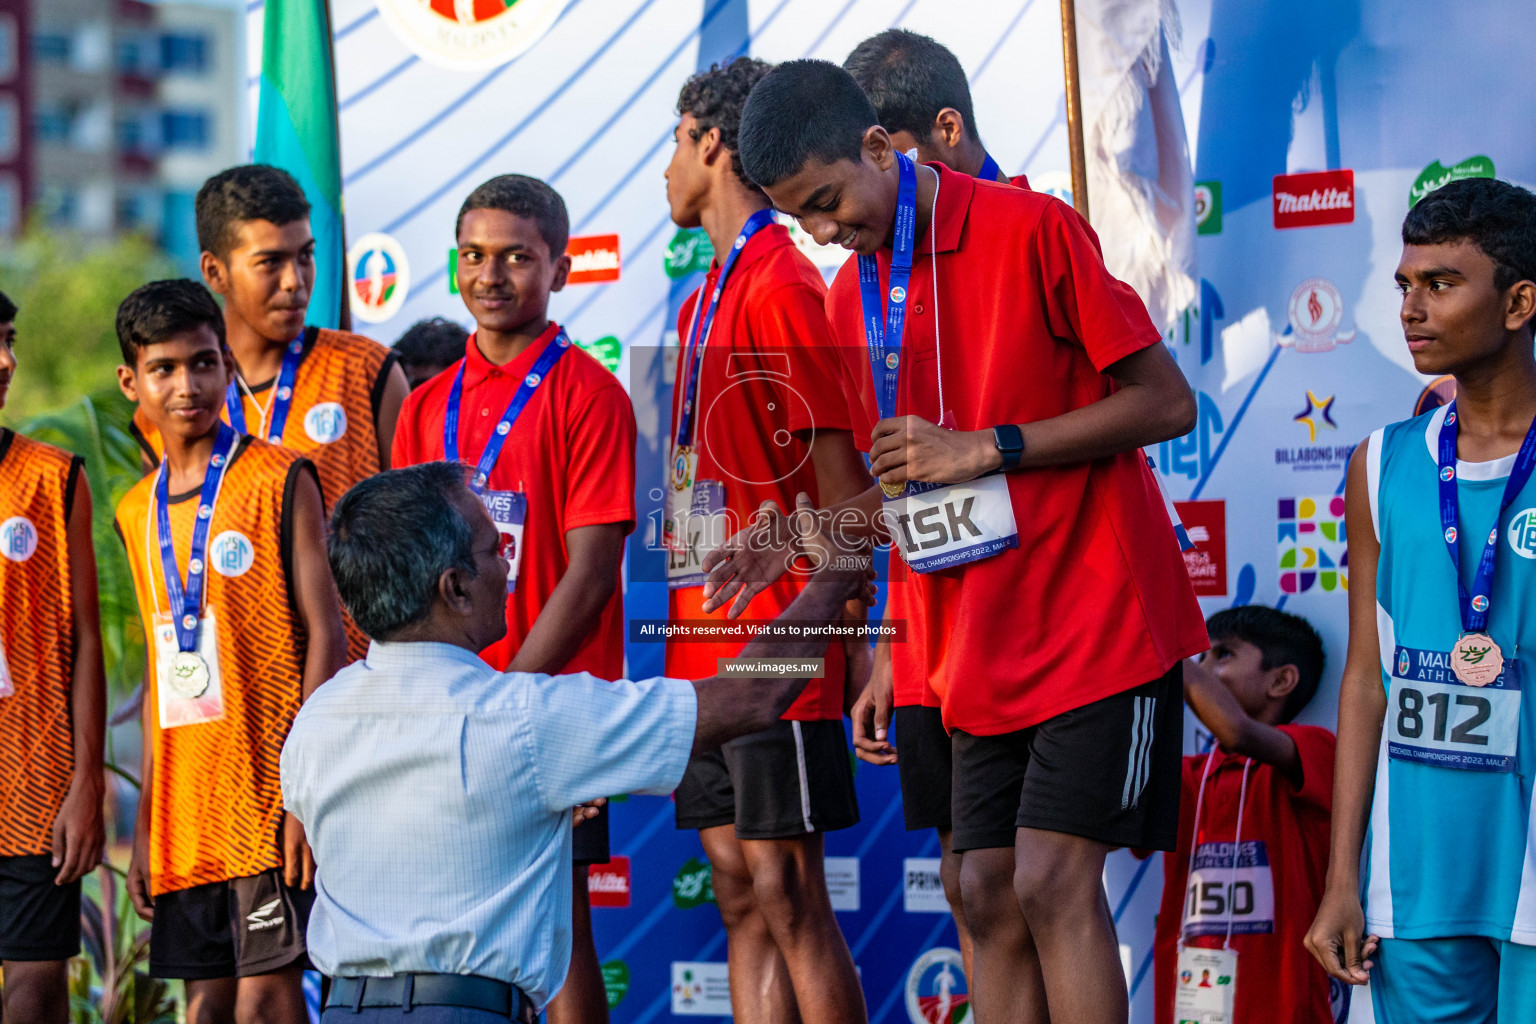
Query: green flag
x=296 y=130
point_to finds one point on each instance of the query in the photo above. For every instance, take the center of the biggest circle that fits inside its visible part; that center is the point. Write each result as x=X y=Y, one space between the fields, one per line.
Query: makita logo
x=594 y=259
x=1307 y=200
x=608 y=884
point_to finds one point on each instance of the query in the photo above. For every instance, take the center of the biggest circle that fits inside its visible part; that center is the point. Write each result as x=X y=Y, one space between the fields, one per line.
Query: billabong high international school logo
x=466 y=35
x=1314 y=551
x=936 y=989
x=378 y=277
x=18 y=538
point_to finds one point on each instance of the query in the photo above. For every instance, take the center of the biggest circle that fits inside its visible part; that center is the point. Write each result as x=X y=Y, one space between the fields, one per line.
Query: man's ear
x=128 y=383
x=878 y=147
x=215 y=273
x=1521 y=305
x=562 y=271
x=1282 y=681
x=710 y=148
x=453 y=588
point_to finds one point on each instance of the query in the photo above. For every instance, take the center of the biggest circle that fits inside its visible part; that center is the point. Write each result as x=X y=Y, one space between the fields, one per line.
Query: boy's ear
x=215 y=273
x=948 y=128
x=1521 y=305
x=879 y=148
x=127 y=383
x=562 y=271
x=709 y=146
x=1282 y=681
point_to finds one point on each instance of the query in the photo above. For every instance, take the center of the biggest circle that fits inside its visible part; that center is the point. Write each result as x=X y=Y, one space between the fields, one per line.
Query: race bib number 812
x=1434 y=718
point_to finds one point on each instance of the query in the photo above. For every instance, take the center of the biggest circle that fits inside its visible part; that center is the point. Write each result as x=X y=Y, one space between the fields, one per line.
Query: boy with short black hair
x=52 y=711
x=1436 y=734
x=551 y=436
x=1066 y=716
x=226 y=544
x=923 y=100
x=1253 y=828
x=428 y=348
x=758 y=415
x=331 y=396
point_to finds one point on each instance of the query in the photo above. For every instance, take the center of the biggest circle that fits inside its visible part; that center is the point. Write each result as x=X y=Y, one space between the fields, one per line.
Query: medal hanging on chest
x=186 y=641
x=508 y=509
x=274 y=419
x=1476 y=658
x=695 y=509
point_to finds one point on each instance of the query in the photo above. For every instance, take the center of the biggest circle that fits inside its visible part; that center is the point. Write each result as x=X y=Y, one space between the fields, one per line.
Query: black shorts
x=589 y=840
x=788 y=780
x=1108 y=771
x=925 y=763
x=232 y=929
x=38 y=920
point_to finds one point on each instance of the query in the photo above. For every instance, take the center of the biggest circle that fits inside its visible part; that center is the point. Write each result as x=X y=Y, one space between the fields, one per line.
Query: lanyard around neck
x=699 y=329
x=1237 y=837
x=275 y=418
x=547 y=359
x=186 y=602
x=1475 y=606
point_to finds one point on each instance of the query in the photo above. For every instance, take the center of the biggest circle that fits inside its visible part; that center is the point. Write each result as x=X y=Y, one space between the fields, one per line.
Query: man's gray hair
x=392 y=536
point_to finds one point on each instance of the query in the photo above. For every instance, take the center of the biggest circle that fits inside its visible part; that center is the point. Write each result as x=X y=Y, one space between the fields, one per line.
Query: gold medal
x=893 y=490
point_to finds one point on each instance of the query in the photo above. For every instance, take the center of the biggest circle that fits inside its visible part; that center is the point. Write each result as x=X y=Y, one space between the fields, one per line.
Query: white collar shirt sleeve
x=436 y=794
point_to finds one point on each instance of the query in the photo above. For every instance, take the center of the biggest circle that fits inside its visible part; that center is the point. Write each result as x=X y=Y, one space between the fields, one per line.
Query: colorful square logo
x=1314 y=551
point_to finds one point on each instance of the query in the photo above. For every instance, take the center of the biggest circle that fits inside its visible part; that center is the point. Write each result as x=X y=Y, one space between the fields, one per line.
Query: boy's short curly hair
x=716 y=97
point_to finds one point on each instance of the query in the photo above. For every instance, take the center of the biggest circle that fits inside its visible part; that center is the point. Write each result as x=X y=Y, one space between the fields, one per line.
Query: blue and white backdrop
x=1291 y=339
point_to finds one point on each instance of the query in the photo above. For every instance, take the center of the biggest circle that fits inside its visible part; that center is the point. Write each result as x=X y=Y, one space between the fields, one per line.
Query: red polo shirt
x=768 y=372
x=1277 y=979
x=572 y=452
x=1095 y=600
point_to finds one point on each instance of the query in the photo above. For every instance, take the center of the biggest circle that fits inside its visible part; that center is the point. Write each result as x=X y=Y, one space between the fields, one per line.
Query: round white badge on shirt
x=232 y=554
x=325 y=422
x=18 y=538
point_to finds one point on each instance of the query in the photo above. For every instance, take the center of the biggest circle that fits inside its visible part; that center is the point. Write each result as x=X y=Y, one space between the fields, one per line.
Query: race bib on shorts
x=1434 y=718
x=1206 y=987
x=695 y=522
x=7 y=685
x=940 y=526
x=508 y=511
x=1220 y=894
x=188 y=691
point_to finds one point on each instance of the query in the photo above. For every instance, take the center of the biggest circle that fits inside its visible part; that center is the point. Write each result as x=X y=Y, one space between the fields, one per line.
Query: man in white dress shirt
x=437 y=792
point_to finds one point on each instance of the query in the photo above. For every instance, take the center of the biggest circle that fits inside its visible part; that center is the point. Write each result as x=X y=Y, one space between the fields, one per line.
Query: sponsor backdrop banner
x=1310 y=136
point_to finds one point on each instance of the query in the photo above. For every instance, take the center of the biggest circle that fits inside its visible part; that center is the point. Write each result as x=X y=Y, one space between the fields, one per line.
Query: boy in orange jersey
x=226 y=543
x=331 y=396
x=52 y=701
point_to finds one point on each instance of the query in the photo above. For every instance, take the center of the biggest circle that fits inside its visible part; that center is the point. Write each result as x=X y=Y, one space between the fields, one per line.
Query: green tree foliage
x=67 y=289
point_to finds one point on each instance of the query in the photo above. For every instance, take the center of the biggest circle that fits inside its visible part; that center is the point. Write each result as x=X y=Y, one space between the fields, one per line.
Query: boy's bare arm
x=1218 y=709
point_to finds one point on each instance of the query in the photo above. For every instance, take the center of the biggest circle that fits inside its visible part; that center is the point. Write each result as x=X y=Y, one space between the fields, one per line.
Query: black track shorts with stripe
x=791 y=779
x=1109 y=771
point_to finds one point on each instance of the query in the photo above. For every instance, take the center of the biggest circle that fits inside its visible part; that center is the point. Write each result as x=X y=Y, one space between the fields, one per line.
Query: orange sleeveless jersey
x=217 y=802
x=37 y=629
x=331 y=420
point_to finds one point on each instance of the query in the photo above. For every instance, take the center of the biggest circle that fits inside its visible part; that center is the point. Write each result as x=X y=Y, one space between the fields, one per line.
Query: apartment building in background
x=112 y=112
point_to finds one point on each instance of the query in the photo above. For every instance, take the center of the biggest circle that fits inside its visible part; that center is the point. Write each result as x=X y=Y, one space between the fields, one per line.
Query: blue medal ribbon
x=989 y=169
x=282 y=397
x=884 y=339
x=547 y=359
x=698 y=333
x=1474 y=607
x=186 y=603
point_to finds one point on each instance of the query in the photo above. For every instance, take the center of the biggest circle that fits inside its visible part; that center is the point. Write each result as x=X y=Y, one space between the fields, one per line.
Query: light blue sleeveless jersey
x=1451 y=850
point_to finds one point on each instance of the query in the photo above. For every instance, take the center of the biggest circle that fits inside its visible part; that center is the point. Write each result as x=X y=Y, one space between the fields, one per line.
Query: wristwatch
x=1010 y=442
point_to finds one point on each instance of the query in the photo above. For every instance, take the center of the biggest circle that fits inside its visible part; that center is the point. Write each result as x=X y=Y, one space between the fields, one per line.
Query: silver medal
x=188 y=677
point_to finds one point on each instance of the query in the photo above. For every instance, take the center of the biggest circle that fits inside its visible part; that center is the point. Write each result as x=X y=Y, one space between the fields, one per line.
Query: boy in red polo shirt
x=1050 y=599
x=758 y=415
x=1253 y=824
x=549 y=435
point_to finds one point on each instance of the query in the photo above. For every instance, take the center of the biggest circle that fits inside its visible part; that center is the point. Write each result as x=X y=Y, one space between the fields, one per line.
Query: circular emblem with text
x=378 y=277
x=936 y=990
x=1522 y=533
x=232 y=554
x=18 y=538
x=465 y=35
x=325 y=422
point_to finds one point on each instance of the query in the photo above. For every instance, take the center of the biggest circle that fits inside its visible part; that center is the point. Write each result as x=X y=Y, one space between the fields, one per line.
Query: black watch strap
x=1010 y=441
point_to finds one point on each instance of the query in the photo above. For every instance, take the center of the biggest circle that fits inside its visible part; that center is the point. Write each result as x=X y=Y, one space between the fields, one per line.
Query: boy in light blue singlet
x=1437 y=727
